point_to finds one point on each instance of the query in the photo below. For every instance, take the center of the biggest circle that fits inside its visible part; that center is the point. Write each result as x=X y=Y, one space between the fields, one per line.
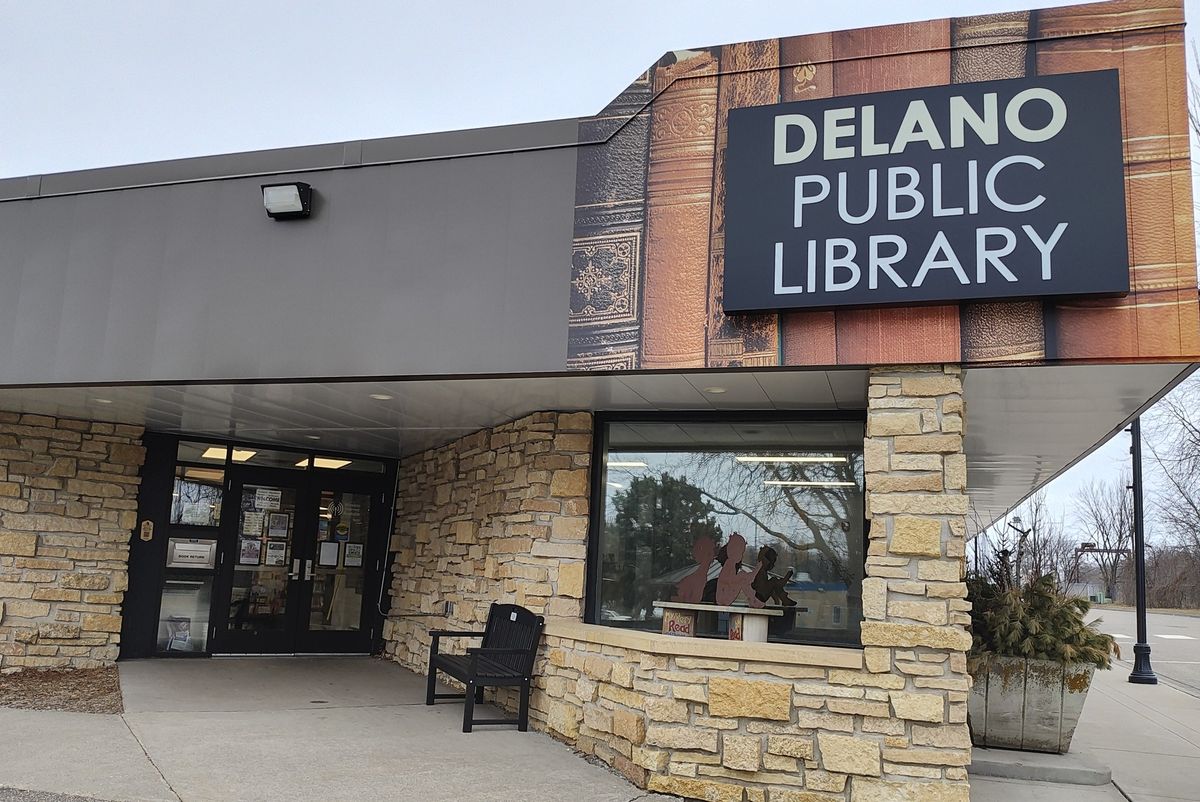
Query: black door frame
x=147 y=572
x=371 y=617
x=147 y=558
x=296 y=638
x=224 y=640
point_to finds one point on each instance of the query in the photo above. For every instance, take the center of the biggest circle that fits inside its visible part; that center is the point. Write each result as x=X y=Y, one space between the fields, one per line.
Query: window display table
x=745 y=623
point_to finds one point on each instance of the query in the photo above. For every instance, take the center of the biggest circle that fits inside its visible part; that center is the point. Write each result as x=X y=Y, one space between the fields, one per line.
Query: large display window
x=776 y=505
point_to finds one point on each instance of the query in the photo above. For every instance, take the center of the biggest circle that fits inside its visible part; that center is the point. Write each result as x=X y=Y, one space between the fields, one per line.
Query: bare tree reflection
x=813 y=524
x=195 y=502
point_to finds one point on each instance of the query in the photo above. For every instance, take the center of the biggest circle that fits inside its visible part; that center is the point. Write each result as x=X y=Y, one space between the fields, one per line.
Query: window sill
x=657 y=643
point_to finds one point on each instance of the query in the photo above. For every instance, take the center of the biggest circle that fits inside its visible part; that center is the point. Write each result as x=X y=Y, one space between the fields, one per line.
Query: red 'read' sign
x=679 y=622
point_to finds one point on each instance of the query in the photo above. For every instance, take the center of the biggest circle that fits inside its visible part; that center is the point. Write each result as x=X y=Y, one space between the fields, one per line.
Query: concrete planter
x=1032 y=705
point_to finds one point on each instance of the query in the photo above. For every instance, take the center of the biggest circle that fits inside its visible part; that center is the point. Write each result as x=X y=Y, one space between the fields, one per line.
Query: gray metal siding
x=439 y=267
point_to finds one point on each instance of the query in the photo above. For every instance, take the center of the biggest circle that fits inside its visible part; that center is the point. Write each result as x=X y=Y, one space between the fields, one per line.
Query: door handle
x=295 y=572
x=308 y=570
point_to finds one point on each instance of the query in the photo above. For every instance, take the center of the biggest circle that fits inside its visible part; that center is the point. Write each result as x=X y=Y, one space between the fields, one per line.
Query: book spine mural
x=678 y=209
x=877 y=60
x=808 y=338
x=1159 y=317
x=651 y=256
x=986 y=48
x=749 y=77
x=608 y=250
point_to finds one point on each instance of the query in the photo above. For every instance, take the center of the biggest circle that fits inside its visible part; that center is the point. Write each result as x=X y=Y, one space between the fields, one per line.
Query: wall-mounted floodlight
x=287 y=201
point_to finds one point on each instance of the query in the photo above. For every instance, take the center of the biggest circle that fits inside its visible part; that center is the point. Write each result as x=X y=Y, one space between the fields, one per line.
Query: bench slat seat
x=459 y=667
x=504 y=659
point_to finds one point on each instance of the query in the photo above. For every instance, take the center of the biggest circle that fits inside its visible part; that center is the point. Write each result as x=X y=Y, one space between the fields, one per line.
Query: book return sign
x=990 y=190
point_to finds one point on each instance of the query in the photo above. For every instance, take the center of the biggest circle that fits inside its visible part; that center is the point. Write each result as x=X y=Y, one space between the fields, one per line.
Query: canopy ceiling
x=1024 y=425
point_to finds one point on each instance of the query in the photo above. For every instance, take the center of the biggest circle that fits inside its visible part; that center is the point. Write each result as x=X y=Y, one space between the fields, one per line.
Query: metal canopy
x=1024 y=425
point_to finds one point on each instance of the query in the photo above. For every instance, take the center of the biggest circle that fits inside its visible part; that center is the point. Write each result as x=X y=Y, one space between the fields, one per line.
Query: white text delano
x=903 y=192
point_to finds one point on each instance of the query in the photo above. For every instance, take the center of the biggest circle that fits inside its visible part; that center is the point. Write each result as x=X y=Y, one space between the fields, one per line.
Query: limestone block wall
x=758 y=723
x=498 y=515
x=914 y=599
x=68 y=505
x=501 y=515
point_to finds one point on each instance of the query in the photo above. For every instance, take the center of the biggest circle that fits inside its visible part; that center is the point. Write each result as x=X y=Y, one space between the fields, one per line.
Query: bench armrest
x=437 y=634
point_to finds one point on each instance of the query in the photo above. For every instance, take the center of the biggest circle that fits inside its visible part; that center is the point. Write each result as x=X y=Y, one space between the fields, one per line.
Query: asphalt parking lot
x=1174 y=643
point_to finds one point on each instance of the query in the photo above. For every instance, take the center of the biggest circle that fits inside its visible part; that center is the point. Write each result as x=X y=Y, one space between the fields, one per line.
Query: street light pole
x=975 y=542
x=1143 y=673
x=1015 y=524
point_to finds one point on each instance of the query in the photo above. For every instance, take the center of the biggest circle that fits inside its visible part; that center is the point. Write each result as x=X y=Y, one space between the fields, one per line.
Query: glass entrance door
x=300 y=571
x=263 y=564
x=339 y=597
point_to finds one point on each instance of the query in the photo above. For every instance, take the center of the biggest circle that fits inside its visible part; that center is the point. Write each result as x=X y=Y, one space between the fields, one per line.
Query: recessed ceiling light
x=745 y=458
x=313 y=436
x=102 y=400
x=324 y=462
x=239 y=455
x=382 y=396
x=715 y=390
x=203 y=474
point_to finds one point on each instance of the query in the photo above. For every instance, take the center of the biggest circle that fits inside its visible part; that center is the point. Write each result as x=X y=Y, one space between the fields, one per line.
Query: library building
x=719 y=382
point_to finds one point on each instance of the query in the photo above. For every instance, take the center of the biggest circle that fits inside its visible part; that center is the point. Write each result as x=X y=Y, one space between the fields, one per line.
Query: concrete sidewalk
x=356 y=728
x=1149 y=735
x=287 y=730
x=986 y=789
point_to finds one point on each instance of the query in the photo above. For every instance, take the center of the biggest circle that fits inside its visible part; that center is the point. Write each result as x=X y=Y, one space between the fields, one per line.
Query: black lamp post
x=1143 y=673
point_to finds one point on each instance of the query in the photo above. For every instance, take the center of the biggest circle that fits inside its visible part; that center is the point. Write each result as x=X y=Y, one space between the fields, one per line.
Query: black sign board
x=998 y=189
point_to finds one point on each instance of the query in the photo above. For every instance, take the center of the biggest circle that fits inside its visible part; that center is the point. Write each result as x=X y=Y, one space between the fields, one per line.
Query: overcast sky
x=101 y=83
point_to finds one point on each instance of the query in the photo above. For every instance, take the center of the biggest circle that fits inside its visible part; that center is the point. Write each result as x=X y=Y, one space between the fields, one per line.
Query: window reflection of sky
x=683 y=465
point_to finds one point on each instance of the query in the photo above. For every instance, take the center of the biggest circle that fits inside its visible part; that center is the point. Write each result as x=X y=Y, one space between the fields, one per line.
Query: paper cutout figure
x=767 y=587
x=690 y=589
x=731 y=583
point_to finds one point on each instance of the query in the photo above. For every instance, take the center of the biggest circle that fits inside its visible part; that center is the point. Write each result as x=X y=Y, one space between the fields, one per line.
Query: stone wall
x=68 y=505
x=753 y=722
x=498 y=515
x=501 y=515
x=914 y=599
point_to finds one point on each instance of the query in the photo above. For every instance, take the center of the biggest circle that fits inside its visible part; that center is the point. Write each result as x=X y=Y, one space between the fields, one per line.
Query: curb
x=1075 y=768
x=1121 y=608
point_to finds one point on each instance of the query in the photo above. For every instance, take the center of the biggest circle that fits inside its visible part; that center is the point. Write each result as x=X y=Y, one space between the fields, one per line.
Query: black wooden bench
x=503 y=659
